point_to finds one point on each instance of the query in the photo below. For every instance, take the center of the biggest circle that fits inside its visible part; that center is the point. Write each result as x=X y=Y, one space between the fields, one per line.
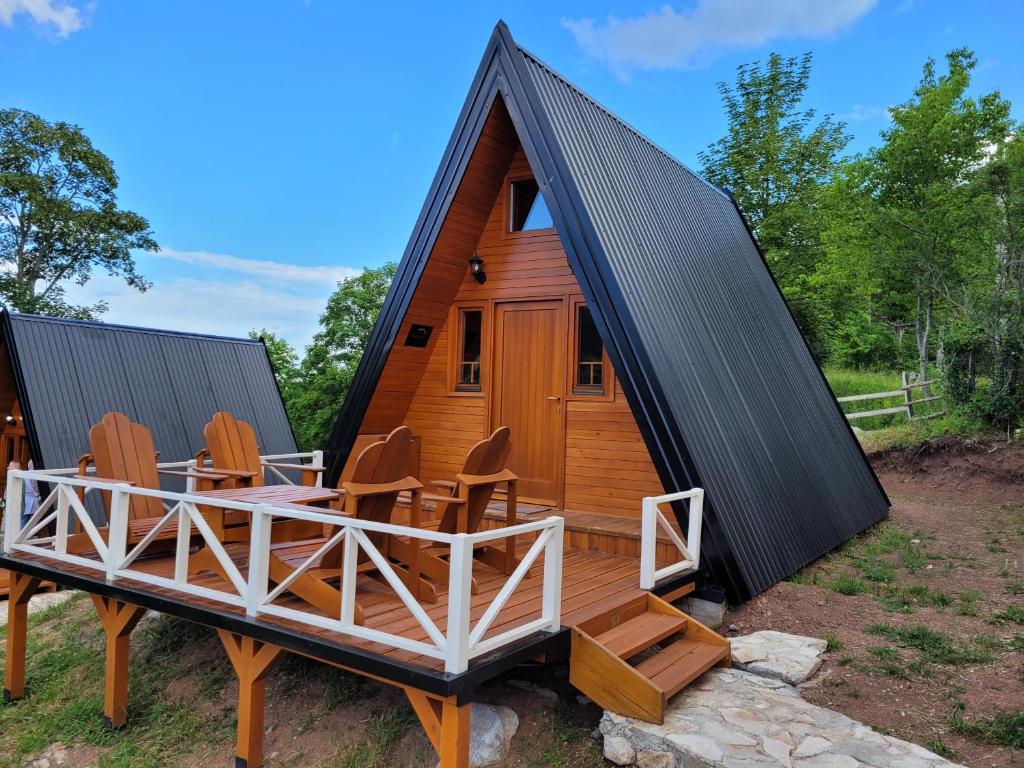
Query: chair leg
x=251 y=660
x=118 y=619
x=22 y=588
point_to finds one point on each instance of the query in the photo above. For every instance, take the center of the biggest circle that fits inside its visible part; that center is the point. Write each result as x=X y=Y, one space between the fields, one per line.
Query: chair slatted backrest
x=233 y=445
x=123 y=450
x=487 y=457
x=385 y=461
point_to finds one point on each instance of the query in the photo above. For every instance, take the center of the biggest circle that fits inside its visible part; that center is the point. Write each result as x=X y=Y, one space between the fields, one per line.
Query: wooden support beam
x=447 y=726
x=21 y=590
x=118 y=619
x=251 y=660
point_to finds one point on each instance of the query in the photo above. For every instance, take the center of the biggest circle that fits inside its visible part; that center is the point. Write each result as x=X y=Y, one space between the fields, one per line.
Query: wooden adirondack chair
x=123 y=452
x=463 y=506
x=233 y=450
x=377 y=480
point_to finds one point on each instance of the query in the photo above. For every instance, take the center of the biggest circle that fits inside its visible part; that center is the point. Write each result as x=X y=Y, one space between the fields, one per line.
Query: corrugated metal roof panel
x=69 y=373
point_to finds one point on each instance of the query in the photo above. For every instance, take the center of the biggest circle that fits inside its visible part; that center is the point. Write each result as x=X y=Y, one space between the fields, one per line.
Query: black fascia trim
x=428 y=226
x=438 y=684
x=821 y=373
x=667 y=445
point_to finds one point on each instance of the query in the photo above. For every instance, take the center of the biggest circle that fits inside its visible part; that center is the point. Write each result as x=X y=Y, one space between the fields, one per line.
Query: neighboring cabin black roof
x=68 y=373
x=722 y=384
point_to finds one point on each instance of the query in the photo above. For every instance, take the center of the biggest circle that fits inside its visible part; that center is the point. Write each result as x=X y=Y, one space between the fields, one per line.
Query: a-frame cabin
x=571 y=280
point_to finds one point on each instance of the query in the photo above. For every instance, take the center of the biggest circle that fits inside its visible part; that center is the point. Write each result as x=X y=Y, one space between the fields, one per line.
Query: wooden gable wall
x=607 y=467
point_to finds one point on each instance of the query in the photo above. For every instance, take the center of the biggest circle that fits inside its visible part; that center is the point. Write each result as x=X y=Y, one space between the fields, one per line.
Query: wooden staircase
x=667 y=648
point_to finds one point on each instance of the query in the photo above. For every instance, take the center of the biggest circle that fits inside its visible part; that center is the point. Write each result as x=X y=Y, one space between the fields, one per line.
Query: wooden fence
x=908 y=385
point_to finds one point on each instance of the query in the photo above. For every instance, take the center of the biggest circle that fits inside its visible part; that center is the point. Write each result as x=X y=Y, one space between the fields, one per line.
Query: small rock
x=491 y=731
x=790 y=658
x=649 y=759
x=733 y=628
x=915 y=541
x=618 y=750
x=53 y=756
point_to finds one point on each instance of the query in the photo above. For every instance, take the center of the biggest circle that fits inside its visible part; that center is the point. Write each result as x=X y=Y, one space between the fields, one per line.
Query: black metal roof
x=722 y=384
x=68 y=373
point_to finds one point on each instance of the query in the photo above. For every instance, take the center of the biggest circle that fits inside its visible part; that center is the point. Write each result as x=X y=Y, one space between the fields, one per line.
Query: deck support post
x=22 y=588
x=251 y=660
x=447 y=725
x=118 y=619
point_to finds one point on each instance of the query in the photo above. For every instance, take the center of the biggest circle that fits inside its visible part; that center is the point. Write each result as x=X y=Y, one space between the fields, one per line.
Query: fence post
x=907 y=399
x=648 y=541
x=349 y=575
x=60 y=545
x=552 y=606
x=318 y=461
x=117 y=528
x=460 y=563
x=259 y=559
x=696 y=510
x=13 y=505
x=190 y=481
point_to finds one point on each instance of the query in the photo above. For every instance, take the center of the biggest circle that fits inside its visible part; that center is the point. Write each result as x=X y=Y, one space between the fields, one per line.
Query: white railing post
x=13 y=507
x=190 y=481
x=552 y=601
x=349 y=574
x=61 y=543
x=117 y=528
x=648 y=541
x=259 y=560
x=459 y=584
x=183 y=545
x=318 y=461
x=696 y=510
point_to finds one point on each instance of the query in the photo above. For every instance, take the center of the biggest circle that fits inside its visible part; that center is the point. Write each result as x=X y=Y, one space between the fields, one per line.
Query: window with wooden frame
x=467 y=340
x=591 y=373
x=527 y=209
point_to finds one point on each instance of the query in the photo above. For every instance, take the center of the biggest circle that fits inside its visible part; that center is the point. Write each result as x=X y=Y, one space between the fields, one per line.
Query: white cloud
x=216 y=293
x=860 y=113
x=292 y=273
x=670 y=39
x=63 y=16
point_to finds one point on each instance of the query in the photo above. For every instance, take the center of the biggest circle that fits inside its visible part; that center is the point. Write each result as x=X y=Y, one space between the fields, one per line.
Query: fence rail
x=251 y=591
x=652 y=518
x=908 y=385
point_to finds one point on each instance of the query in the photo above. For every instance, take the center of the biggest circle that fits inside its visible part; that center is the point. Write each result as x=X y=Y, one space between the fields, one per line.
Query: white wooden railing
x=462 y=640
x=652 y=519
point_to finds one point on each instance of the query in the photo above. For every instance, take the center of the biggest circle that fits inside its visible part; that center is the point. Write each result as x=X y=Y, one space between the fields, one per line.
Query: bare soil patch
x=923 y=612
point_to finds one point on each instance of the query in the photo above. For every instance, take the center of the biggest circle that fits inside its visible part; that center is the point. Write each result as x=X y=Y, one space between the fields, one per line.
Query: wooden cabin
x=583 y=398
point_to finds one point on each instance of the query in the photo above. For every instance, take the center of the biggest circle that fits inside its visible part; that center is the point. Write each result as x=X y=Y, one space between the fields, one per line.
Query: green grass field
x=846 y=382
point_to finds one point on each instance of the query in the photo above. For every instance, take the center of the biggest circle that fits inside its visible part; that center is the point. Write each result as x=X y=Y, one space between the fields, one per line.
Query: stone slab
x=736 y=719
x=790 y=658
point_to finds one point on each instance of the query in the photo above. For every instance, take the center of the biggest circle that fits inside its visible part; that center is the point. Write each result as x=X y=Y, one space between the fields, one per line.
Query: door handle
x=554 y=397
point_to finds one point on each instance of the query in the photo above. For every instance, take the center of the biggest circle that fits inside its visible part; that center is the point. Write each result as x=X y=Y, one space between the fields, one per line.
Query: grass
x=1012 y=613
x=847 y=585
x=384 y=730
x=832 y=642
x=1005 y=727
x=935 y=647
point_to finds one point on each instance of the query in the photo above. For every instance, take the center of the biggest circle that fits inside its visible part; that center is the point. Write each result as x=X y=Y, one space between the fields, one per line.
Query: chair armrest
x=506 y=475
x=198 y=475
x=104 y=479
x=212 y=471
x=303 y=467
x=369 y=489
x=449 y=484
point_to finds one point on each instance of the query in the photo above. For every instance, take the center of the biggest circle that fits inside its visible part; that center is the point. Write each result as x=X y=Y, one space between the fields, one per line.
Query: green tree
x=285 y=364
x=921 y=216
x=59 y=217
x=775 y=158
x=331 y=360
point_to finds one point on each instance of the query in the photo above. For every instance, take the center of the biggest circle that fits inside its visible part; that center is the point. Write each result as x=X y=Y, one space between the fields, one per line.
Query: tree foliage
x=315 y=387
x=775 y=158
x=59 y=217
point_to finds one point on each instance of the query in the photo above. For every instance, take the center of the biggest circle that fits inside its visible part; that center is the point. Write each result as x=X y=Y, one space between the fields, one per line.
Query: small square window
x=589 y=379
x=470 y=337
x=527 y=207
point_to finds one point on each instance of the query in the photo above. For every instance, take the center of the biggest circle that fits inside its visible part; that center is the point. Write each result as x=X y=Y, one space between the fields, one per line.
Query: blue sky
x=276 y=147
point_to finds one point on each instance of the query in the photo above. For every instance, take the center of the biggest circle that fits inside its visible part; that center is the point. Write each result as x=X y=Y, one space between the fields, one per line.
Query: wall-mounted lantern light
x=476 y=268
x=11 y=421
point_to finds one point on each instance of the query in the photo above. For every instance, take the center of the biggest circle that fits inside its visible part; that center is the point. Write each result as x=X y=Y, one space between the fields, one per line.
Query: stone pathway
x=733 y=718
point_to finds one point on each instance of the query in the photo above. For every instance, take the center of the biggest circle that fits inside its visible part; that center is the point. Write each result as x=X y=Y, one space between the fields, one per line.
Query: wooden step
x=641 y=632
x=677 y=665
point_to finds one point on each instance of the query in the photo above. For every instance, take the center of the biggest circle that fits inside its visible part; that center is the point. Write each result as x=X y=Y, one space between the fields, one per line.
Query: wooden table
x=274 y=495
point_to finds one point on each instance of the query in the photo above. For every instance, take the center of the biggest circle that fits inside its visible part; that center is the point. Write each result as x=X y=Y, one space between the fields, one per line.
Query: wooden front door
x=529 y=378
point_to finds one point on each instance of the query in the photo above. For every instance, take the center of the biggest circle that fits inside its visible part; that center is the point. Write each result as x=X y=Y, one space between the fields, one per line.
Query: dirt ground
x=950 y=559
